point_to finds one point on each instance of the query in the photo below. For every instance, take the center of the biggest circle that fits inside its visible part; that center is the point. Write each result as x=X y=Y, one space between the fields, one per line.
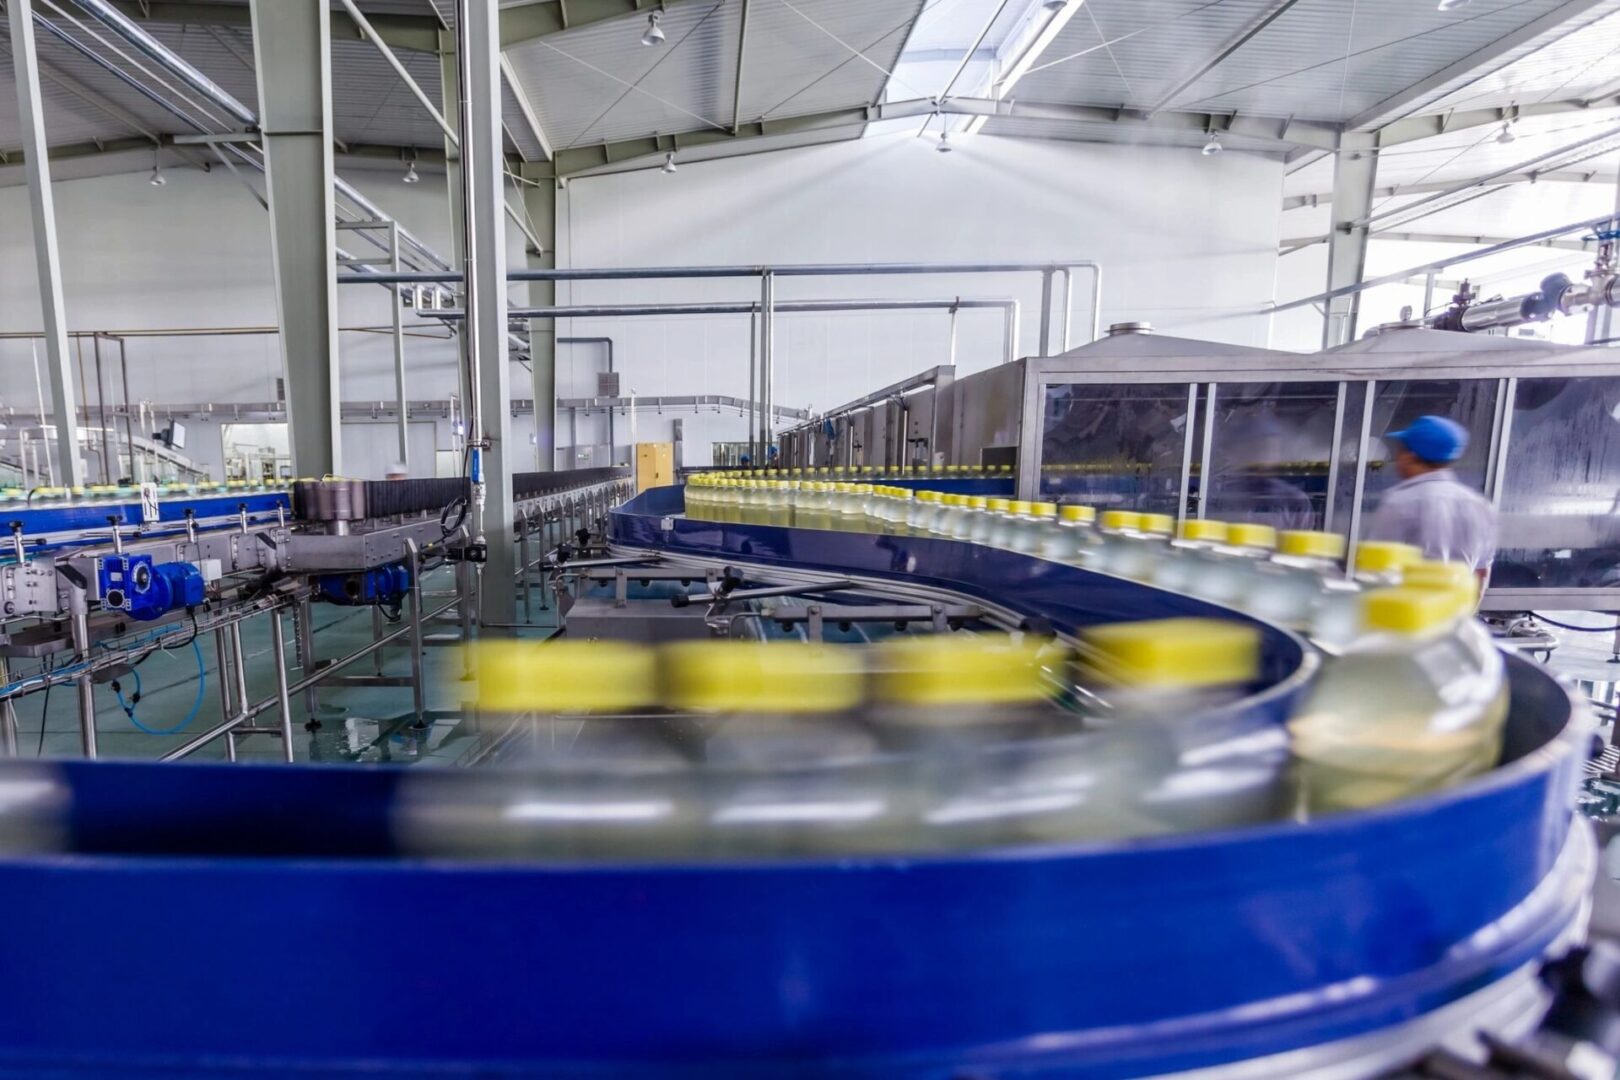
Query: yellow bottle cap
x=723 y=676
x=1214 y=532
x=1246 y=534
x=978 y=502
x=1121 y=519
x=1311 y=545
x=1410 y=611
x=928 y=496
x=1383 y=556
x=1086 y=514
x=1172 y=653
x=956 y=669
x=1044 y=509
x=563 y=676
x=953 y=468
x=904 y=493
x=1004 y=468
x=1158 y=524
x=1432 y=574
x=1019 y=506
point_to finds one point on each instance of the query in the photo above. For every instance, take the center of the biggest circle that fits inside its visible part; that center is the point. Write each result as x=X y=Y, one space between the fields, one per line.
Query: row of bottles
x=108 y=493
x=920 y=743
x=1438 y=705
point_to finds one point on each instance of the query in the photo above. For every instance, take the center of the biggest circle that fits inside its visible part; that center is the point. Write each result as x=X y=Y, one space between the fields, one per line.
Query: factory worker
x=1430 y=507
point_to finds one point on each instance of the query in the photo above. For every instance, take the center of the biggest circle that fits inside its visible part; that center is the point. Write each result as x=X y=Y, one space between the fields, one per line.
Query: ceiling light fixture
x=1507 y=136
x=655 y=33
x=669 y=162
x=944 y=146
x=1452 y=5
x=1212 y=147
x=411 y=176
x=157 y=178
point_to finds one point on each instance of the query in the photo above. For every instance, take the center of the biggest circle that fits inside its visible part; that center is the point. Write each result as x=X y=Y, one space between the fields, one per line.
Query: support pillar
x=450 y=91
x=292 y=43
x=540 y=204
x=400 y=394
x=483 y=163
x=1355 y=171
x=25 y=62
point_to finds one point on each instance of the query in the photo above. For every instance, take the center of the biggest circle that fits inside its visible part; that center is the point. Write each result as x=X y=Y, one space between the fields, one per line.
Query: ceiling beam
x=1298 y=202
x=531 y=118
x=1431 y=124
x=1476 y=65
x=742 y=52
x=419 y=32
x=529 y=21
x=1232 y=44
x=1299 y=242
x=1284 y=132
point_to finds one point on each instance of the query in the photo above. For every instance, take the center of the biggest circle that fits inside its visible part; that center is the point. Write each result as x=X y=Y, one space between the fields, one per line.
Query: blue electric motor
x=383 y=585
x=148 y=590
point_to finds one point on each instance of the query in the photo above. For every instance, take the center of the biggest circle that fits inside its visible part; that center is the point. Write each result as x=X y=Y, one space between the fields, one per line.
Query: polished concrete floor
x=357 y=724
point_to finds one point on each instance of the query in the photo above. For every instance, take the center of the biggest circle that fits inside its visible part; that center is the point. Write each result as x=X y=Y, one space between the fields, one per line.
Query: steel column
x=484 y=179
x=1355 y=172
x=36 y=162
x=292 y=42
x=540 y=204
x=767 y=338
x=399 y=353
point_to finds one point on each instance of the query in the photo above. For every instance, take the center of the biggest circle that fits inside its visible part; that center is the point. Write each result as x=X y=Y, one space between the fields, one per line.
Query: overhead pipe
x=1558 y=295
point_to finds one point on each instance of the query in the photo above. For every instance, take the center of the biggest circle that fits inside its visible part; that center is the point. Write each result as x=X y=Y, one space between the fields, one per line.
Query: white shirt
x=1440 y=514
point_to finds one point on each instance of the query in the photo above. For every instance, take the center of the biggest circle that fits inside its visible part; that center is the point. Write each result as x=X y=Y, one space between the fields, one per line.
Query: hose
x=1577 y=629
x=135 y=698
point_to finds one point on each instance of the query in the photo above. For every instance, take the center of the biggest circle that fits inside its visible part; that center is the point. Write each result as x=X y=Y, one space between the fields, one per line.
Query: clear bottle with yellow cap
x=1191 y=554
x=1380 y=562
x=985 y=524
x=1303 y=587
x=787 y=770
x=925 y=510
x=1070 y=531
x=969 y=512
x=960 y=711
x=597 y=780
x=1168 y=747
x=1416 y=704
x=1129 y=549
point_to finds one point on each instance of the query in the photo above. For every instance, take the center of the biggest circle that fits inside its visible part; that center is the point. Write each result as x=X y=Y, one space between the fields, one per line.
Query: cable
x=135 y=698
x=1577 y=629
x=44 y=714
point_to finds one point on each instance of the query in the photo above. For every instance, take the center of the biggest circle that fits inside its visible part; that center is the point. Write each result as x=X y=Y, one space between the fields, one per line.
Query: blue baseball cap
x=1435 y=439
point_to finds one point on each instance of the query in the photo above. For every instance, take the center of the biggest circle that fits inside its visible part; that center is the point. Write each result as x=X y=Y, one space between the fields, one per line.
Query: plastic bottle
x=1380 y=562
x=593 y=785
x=973 y=508
x=788 y=771
x=985 y=524
x=1029 y=525
x=1129 y=550
x=1304 y=587
x=1415 y=704
x=1168 y=748
x=957 y=706
x=1071 y=532
x=924 y=513
x=1190 y=555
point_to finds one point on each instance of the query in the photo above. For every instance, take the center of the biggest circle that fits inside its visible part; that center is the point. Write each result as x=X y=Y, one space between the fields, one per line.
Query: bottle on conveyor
x=1416 y=703
x=786 y=769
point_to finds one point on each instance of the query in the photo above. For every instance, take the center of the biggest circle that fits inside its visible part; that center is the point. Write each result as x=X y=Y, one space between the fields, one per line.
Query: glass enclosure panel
x=1470 y=402
x=1114 y=445
x=1270 y=452
x=1560 y=515
x=1344 y=491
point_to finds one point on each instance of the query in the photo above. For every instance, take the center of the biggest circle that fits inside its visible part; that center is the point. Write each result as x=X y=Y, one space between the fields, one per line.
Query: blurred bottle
x=1169 y=746
x=974 y=507
x=1415 y=704
x=958 y=709
x=786 y=770
x=1070 y=531
x=1129 y=550
x=597 y=780
x=1191 y=555
x=1380 y=562
x=924 y=513
x=986 y=524
x=1304 y=585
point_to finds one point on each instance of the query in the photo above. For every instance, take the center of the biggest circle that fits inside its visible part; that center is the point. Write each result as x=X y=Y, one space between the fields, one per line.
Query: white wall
x=1186 y=242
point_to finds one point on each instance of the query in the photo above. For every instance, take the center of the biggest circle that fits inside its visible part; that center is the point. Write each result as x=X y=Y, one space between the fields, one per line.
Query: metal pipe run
x=639 y=273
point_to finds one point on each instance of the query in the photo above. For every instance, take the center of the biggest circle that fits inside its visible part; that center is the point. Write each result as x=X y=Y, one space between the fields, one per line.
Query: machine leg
x=418 y=705
x=305 y=636
x=278 y=645
x=87 y=692
x=8 y=716
x=376 y=632
x=523 y=567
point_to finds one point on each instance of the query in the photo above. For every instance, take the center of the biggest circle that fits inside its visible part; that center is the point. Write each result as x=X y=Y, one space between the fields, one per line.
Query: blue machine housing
x=382 y=585
x=148 y=590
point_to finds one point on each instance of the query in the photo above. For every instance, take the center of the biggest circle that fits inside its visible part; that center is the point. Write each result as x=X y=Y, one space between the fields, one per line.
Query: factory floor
x=358 y=724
